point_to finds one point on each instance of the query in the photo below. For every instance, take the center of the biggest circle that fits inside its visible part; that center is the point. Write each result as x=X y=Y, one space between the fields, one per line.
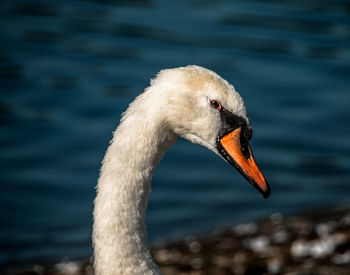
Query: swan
x=191 y=102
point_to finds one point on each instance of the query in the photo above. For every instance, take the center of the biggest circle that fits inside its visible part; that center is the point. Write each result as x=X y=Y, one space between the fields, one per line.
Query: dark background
x=68 y=69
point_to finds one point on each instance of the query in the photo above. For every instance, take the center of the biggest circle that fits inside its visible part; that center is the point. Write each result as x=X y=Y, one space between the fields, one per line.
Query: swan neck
x=119 y=234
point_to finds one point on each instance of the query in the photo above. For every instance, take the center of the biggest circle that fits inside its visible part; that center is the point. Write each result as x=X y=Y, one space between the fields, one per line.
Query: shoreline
x=316 y=242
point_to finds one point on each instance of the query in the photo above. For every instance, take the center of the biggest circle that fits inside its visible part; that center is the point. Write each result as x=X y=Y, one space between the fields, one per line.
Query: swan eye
x=215 y=104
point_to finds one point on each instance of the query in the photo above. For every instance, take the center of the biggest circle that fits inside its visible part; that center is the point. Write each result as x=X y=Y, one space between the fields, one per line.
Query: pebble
x=39 y=269
x=322 y=248
x=323 y=229
x=276 y=217
x=281 y=236
x=258 y=244
x=341 y=259
x=67 y=268
x=245 y=229
x=196 y=263
x=345 y=220
x=195 y=246
x=162 y=255
x=274 y=266
x=300 y=248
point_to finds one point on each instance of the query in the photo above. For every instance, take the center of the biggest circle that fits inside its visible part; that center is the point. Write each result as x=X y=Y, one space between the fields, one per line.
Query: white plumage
x=176 y=104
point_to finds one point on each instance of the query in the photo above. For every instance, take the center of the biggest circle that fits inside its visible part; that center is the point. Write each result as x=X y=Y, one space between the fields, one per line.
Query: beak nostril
x=244 y=147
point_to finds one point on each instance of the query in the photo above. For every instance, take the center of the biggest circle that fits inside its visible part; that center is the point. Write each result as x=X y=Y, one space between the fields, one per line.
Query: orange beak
x=242 y=158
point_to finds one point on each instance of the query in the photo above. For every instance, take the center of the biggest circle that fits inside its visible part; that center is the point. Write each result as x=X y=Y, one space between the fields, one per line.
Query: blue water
x=68 y=69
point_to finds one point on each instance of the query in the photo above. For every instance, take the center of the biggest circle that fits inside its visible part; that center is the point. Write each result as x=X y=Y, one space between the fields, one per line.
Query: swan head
x=205 y=109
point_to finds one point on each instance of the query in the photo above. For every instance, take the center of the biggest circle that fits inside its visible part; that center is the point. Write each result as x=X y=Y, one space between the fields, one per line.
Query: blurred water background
x=68 y=69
